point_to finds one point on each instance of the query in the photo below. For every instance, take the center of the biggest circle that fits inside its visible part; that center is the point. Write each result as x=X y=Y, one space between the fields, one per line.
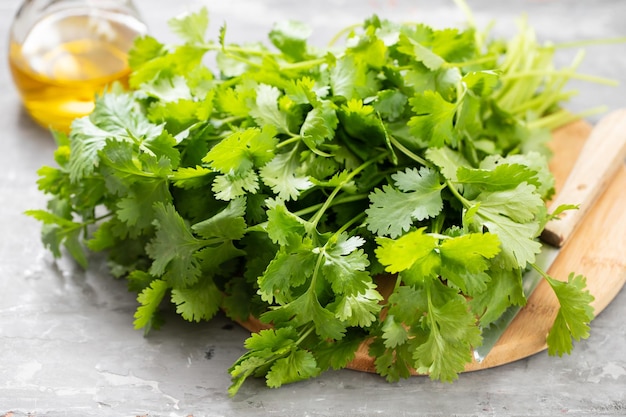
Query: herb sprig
x=288 y=183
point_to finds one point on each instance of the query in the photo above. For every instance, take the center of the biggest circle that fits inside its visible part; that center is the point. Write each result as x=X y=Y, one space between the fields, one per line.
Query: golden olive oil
x=68 y=58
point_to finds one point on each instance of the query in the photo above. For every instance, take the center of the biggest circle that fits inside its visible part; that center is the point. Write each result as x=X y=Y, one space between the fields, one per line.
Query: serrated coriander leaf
x=243 y=150
x=228 y=224
x=264 y=348
x=464 y=260
x=344 y=265
x=482 y=83
x=390 y=104
x=448 y=160
x=282 y=225
x=394 y=332
x=433 y=119
x=319 y=125
x=504 y=290
x=117 y=117
x=297 y=366
x=452 y=335
x=393 y=211
x=143 y=50
x=150 y=299
x=173 y=248
x=265 y=110
x=290 y=37
x=420 y=53
x=198 y=302
x=337 y=354
x=360 y=309
x=512 y=215
x=282 y=175
x=288 y=270
x=575 y=314
x=307 y=309
x=191 y=177
x=351 y=79
x=532 y=160
x=191 y=27
x=502 y=177
x=233 y=185
x=402 y=253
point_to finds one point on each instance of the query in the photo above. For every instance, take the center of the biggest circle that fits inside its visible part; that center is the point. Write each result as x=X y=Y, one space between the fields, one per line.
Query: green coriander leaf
x=390 y=104
x=243 y=150
x=402 y=253
x=283 y=176
x=393 y=211
x=345 y=265
x=150 y=299
x=464 y=260
x=191 y=177
x=434 y=119
x=504 y=289
x=360 y=309
x=394 y=332
x=290 y=37
x=265 y=109
x=510 y=214
x=449 y=161
x=351 y=79
x=297 y=366
x=482 y=83
x=319 y=125
x=198 y=302
x=282 y=225
x=288 y=270
x=116 y=117
x=339 y=353
x=306 y=309
x=235 y=100
x=420 y=53
x=212 y=257
x=575 y=313
x=228 y=224
x=234 y=185
x=502 y=177
x=173 y=248
x=191 y=27
x=144 y=49
x=452 y=334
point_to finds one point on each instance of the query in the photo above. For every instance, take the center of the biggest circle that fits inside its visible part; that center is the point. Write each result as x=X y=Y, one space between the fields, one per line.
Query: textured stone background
x=67 y=347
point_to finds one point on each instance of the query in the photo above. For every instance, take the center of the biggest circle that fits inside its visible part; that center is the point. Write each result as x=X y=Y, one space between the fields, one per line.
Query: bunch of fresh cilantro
x=292 y=184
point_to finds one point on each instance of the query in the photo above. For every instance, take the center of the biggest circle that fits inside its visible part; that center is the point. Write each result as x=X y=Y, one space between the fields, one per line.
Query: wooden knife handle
x=602 y=154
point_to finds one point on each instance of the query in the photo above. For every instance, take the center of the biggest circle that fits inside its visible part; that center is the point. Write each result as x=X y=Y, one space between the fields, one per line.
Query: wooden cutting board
x=596 y=249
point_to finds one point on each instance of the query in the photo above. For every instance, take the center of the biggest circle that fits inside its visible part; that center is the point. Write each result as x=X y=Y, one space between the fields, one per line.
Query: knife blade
x=602 y=155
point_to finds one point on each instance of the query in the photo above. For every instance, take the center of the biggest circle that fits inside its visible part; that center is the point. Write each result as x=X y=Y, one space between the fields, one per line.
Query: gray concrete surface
x=67 y=347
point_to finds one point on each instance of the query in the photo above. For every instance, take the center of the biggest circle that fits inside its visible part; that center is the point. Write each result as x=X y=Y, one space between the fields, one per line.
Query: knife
x=602 y=155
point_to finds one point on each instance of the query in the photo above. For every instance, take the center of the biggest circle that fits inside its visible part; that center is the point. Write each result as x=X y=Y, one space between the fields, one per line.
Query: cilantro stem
x=305 y=334
x=302 y=65
x=564 y=73
x=563 y=117
x=293 y=139
x=409 y=153
x=342 y=32
x=458 y=195
x=317 y=217
x=482 y=60
x=349 y=223
x=343 y=200
x=239 y=50
x=590 y=42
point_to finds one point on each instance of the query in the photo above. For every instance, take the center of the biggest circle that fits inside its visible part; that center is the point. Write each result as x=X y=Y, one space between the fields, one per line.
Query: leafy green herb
x=288 y=182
